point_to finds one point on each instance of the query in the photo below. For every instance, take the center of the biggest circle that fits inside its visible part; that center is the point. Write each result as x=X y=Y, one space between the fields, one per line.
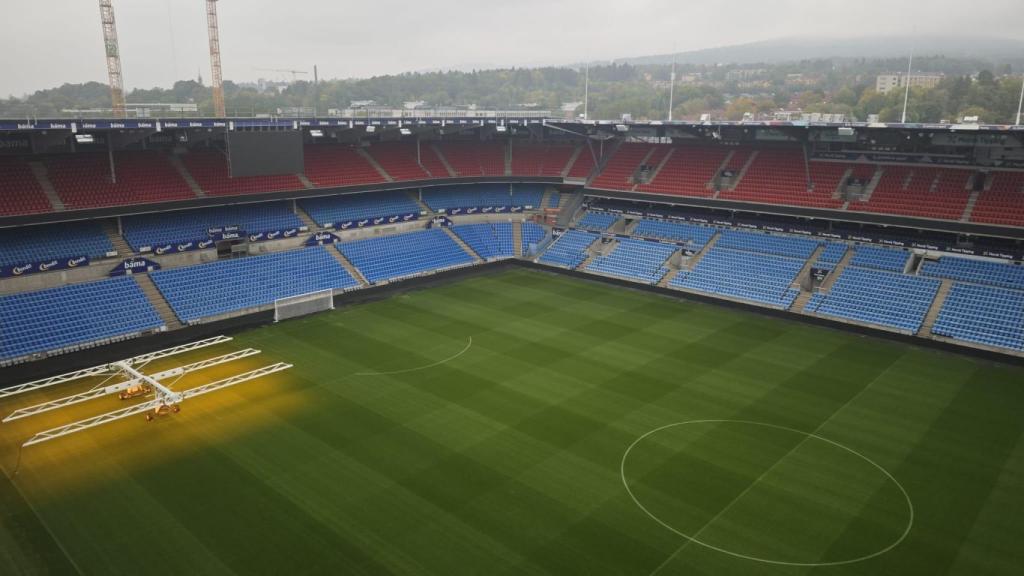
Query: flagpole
x=906 y=95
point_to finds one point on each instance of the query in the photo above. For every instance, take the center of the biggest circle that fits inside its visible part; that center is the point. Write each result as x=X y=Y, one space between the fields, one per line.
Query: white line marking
x=464 y=350
x=694 y=537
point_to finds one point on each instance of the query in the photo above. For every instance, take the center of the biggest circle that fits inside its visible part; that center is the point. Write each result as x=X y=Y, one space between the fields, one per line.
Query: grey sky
x=49 y=42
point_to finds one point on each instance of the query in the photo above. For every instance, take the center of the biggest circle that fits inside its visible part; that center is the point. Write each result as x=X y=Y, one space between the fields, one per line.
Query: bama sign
x=376 y=221
x=135 y=266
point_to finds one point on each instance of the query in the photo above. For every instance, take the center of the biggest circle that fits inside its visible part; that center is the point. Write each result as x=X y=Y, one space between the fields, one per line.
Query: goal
x=295 y=306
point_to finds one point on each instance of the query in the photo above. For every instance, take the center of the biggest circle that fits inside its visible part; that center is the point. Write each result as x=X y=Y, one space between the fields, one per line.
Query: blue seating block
x=640 y=260
x=984 y=315
x=893 y=260
x=768 y=244
x=393 y=257
x=489 y=240
x=759 y=278
x=483 y=195
x=877 y=297
x=206 y=290
x=570 y=249
x=531 y=233
x=361 y=206
x=192 y=225
x=73 y=315
x=695 y=236
x=1001 y=274
x=598 y=221
x=29 y=244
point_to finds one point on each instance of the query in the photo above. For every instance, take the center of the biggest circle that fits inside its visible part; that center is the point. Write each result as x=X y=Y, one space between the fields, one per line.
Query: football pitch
x=524 y=422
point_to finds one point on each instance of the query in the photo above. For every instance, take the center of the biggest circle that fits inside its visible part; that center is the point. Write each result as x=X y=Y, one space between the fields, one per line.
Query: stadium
x=509 y=342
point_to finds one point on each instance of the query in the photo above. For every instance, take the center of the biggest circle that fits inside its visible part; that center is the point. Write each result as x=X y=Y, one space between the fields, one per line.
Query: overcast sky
x=48 y=42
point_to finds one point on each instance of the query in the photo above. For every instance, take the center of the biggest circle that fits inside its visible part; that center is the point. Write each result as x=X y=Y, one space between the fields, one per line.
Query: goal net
x=295 y=306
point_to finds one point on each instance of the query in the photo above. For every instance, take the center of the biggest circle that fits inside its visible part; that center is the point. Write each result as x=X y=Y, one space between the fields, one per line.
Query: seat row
x=639 y=260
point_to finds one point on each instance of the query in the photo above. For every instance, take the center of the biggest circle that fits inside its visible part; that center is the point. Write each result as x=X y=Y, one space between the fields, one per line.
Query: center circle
x=694 y=537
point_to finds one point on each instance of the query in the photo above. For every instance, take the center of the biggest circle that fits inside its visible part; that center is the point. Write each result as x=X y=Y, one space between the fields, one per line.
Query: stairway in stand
x=333 y=251
x=120 y=244
x=306 y=219
x=517 y=239
x=594 y=253
x=156 y=298
x=462 y=244
x=43 y=177
x=933 y=312
x=801 y=300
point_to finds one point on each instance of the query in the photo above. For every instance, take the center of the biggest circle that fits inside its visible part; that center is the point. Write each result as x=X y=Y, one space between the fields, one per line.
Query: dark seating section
x=150 y=230
x=20 y=191
x=31 y=244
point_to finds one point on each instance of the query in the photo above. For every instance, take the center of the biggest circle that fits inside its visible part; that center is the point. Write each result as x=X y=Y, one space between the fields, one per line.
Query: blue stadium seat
x=393 y=257
x=489 y=240
x=893 y=260
x=767 y=244
x=1001 y=274
x=760 y=278
x=598 y=221
x=483 y=195
x=554 y=200
x=831 y=255
x=531 y=233
x=695 y=236
x=193 y=225
x=363 y=206
x=76 y=315
x=569 y=250
x=29 y=244
x=206 y=290
x=877 y=297
x=640 y=260
x=984 y=315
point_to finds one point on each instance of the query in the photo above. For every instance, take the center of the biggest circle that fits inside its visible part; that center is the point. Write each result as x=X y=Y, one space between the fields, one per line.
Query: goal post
x=310 y=303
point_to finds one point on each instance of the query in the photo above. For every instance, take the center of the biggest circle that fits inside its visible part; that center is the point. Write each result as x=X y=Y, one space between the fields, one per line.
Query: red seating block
x=617 y=173
x=83 y=180
x=398 y=159
x=778 y=176
x=338 y=165
x=916 y=191
x=1003 y=202
x=583 y=165
x=474 y=158
x=20 y=191
x=537 y=159
x=687 y=172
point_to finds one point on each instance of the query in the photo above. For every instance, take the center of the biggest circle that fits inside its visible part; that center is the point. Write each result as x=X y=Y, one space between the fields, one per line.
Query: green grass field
x=530 y=423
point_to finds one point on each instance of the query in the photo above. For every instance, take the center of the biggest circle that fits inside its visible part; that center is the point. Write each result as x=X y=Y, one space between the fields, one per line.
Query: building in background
x=886 y=82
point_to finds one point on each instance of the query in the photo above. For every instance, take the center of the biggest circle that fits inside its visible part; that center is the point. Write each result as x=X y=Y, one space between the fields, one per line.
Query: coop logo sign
x=48 y=266
x=376 y=221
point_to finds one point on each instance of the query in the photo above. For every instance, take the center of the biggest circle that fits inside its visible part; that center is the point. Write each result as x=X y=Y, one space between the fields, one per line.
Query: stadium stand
x=77 y=315
x=688 y=172
x=831 y=255
x=206 y=290
x=354 y=207
x=338 y=165
x=489 y=239
x=555 y=200
x=759 y=278
x=569 y=250
x=639 y=260
x=925 y=192
x=32 y=244
x=483 y=195
x=393 y=257
x=193 y=225
x=531 y=233
x=618 y=171
x=83 y=180
x=583 y=165
x=778 y=176
x=877 y=297
x=210 y=170
x=536 y=159
x=398 y=159
x=598 y=221
x=893 y=260
x=983 y=315
x=1001 y=274
x=695 y=236
x=474 y=158
x=789 y=246
x=20 y=189
x=1003 y=203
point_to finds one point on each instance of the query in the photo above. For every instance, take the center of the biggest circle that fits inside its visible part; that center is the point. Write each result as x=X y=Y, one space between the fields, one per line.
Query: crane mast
x=218 y=86
x=113 y=54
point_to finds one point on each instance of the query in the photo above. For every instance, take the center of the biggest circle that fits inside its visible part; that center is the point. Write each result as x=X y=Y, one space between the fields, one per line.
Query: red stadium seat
x=20 y=191
x=329 y=165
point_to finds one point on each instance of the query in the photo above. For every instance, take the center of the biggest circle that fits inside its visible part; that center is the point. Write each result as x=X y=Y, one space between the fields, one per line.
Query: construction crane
x=113 y=58
x=294 y=73
x=218 y=84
